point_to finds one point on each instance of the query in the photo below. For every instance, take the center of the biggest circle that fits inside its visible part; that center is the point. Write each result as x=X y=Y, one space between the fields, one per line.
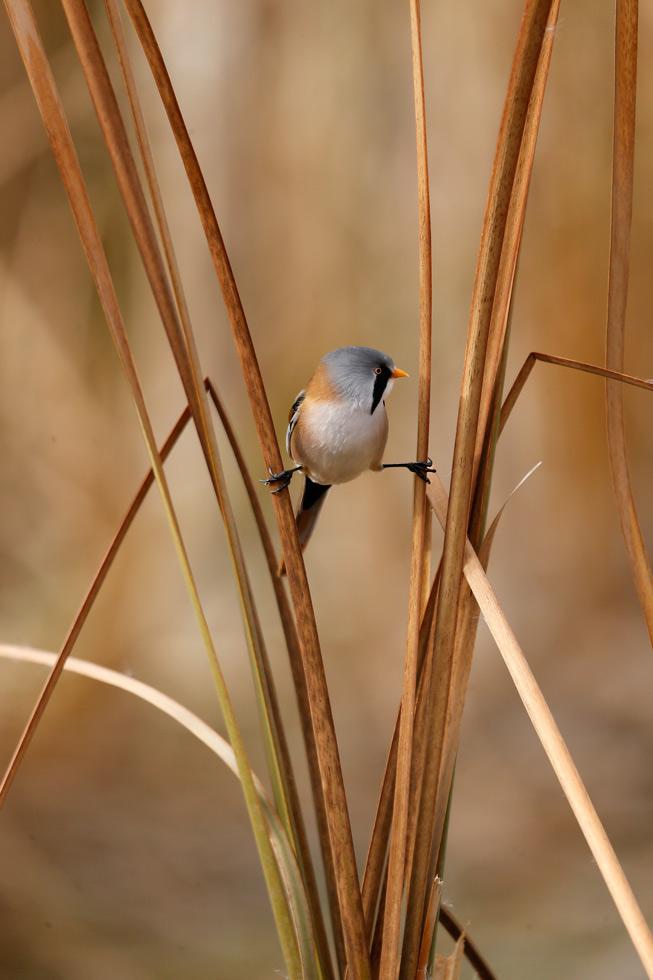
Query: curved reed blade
x=530 y=362
x=35 y=60
x=622 y=206
x=276 y=747
x=553 y=743
x=421 y=536
x=182 y=343
x=342 y=855
x=288 y=869
x=529 y=44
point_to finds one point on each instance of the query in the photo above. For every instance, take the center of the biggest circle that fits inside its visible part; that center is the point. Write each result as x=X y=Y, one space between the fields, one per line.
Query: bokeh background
x=124 y=848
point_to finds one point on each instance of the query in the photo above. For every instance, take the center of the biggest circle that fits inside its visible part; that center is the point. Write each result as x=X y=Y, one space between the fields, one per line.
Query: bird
x=338 y=428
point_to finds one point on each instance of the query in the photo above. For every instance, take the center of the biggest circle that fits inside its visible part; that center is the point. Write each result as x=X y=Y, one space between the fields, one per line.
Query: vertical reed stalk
x=510 y=137
x=552 y=743
x=420 y=536
x=622 y=208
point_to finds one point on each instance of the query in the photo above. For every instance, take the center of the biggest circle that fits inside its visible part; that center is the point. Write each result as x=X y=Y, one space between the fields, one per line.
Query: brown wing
x=292 y=419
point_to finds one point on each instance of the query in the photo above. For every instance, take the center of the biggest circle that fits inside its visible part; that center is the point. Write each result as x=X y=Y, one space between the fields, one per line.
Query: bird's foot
x=420 y=468
x=279 y=480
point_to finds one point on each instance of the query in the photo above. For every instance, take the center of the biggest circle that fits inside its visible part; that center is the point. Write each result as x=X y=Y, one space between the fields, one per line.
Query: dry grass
x=386 y=925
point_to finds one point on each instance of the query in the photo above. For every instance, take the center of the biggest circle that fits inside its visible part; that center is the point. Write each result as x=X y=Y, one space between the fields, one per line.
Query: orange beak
x=398 y=373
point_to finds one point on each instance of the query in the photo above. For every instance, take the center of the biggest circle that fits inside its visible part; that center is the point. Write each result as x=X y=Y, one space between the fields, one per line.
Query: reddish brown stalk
x=340 y=837
x=488 y=427
x=432 y=913
x=49 y=103
x=552 y=742
x=622 y=206
x=272 y=719
x=182 y=343
x=115 y=136
x=512 y=239
x=420 y=537
x=292 y=645
x=567 y=362
x=376 y=863
x=468 y=629
x=180 y=335
x=529 y=44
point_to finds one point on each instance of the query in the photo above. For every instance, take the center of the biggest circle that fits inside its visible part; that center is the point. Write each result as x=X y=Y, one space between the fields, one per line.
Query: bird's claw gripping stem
x=282 y=479
x=420 y=468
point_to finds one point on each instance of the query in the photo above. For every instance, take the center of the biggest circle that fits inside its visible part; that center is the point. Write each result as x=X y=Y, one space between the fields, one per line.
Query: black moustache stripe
x=380 y=384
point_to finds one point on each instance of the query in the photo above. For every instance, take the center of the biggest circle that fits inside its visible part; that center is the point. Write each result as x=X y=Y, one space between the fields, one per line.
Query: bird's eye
x=377 y=370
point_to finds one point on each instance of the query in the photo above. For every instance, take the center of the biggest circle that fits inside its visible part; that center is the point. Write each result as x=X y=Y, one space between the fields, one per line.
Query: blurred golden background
x=125 y=849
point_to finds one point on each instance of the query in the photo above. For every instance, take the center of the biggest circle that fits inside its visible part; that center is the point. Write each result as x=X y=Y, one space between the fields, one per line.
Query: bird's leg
x=283 y=479
x=419 y=468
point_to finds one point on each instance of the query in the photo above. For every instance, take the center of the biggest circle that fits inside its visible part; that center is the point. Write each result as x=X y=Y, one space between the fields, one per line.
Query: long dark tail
x=308 y=513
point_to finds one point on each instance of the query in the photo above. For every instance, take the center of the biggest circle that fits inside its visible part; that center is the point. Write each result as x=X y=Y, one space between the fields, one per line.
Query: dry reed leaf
x=217 y=744
x=15 y=103
x=373 y=879
x=488 y=429
x=421 y=536
x=500 y=324
x=342 y=857
x=428 y=935
x=552 y=743
x=520 y=87
x=275 y=742
x=182 y=343
x=622 y=206
x=38 y=70
x=465 y=640
x=376 y=857
x=535 y=356
x=512 y=238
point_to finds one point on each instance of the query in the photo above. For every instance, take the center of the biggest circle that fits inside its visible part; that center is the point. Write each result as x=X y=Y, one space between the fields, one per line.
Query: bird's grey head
x=362 y=375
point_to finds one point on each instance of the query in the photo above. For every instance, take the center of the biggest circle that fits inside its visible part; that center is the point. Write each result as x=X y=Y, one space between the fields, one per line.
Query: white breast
x=340 y=440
